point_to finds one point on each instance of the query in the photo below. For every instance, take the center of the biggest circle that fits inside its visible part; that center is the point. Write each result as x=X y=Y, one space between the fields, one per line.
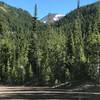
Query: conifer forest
x=40 y=54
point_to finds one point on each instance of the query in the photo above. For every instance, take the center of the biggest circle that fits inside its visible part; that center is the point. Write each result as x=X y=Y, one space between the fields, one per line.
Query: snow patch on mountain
x=58 y=17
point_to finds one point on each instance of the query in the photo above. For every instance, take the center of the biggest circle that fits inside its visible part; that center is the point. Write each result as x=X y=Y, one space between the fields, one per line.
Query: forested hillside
x=47 y=54
x=14 y=19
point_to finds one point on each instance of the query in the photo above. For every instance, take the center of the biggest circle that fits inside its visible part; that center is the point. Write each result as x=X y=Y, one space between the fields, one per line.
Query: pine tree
x=32 y=53
x=1 y=30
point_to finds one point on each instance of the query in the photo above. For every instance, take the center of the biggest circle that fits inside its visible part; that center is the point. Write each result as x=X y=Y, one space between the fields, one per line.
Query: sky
x=48 y=6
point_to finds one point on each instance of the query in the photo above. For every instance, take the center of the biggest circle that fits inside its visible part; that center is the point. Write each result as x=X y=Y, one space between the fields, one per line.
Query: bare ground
x=85 y=92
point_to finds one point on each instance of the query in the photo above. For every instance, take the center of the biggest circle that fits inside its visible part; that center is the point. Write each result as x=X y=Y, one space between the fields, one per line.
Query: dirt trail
x=44 y=93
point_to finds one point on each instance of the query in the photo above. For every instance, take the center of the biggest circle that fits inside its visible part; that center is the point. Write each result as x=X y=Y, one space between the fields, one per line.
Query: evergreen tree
x=32 y=53
x=47 y=54
x=1 y=30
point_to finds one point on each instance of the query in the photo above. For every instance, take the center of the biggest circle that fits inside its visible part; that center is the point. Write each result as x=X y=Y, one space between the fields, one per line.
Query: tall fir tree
x=1 y=30
x=32 y=53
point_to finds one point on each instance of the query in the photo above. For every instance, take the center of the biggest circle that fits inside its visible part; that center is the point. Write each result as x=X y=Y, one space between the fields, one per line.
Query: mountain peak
x=51 y=18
